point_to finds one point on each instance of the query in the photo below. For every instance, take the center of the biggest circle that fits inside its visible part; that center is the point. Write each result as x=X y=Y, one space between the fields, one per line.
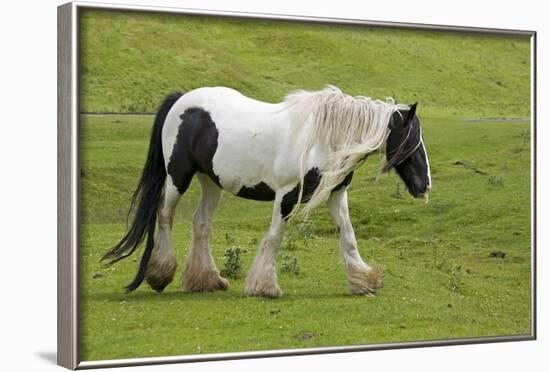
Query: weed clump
x=290 y=264
x=299 y=236
x=306 y=230
x=232 y=265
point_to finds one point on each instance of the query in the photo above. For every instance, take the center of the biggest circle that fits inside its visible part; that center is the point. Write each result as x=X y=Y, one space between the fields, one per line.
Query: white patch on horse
x=427 y=163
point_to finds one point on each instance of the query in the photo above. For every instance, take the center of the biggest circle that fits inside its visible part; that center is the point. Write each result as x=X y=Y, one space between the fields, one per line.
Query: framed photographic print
x=235 y=185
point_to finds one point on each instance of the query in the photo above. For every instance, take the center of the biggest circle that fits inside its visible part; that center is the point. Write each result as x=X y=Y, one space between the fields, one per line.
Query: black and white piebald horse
x=302 y=150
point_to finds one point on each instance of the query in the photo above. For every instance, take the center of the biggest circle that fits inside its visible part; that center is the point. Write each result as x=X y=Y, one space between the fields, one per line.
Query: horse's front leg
x=261 y=279
x=362 y=278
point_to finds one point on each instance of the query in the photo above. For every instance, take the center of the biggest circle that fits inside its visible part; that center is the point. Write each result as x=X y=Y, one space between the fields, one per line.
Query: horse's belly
x=246 y=169
x=246 y=157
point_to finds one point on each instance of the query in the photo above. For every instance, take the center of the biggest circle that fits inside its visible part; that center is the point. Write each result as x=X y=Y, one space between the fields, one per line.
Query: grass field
x=442 y=280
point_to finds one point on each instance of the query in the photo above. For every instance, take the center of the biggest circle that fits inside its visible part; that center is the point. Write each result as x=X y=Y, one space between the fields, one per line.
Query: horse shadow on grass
x=180 y=296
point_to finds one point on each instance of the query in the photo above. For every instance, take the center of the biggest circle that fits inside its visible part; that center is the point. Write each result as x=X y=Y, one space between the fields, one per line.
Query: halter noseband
x=408 y=154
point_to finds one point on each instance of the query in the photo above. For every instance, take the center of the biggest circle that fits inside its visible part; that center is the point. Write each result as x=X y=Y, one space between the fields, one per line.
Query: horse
x=298 y=154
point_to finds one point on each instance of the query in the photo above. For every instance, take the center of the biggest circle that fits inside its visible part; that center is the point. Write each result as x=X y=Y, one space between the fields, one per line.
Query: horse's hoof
x=365 y=282
x=206 y=281
x=264 y=291
x=158 y=284
x=160 y=273
x=159 y=288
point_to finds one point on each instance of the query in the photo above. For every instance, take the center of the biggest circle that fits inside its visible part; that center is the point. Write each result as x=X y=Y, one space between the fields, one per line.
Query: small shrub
x=306 y=229
x=290 y=242
x=232 y=266
x=290 y=265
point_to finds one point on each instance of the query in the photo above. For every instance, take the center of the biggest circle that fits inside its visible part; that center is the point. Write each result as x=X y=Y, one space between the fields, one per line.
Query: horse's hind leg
x=362 y=278
x=162 y=265
x=200 y=272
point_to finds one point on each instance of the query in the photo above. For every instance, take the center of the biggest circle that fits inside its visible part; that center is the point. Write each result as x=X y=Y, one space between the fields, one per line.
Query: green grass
x=440 y=279
x=131 y=60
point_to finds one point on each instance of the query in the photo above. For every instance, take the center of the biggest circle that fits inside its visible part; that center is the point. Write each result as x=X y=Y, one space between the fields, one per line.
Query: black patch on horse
x=260 y=192
x=344 y=183
x=195 y=146
x=311 y=181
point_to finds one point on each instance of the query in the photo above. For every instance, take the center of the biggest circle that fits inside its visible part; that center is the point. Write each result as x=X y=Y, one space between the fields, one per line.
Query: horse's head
x=405 y=151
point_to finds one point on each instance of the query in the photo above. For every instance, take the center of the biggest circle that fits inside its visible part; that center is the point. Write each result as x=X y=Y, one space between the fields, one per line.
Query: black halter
x=410 y=152
x=405 y=149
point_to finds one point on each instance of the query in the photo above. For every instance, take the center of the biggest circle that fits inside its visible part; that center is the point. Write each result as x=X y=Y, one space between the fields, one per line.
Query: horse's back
x=250 y=135
x=223 y=99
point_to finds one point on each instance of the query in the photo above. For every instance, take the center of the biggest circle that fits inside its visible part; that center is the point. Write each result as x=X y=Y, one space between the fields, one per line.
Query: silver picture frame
x=68 y=184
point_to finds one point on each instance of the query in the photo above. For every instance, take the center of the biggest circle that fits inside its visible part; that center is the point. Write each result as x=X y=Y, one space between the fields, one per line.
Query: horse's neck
x=302 y=151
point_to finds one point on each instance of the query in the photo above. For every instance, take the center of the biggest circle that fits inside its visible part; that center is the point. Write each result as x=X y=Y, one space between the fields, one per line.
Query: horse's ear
x=412 y=111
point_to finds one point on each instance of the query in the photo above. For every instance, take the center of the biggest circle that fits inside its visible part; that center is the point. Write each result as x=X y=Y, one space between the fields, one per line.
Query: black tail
x=147 y=198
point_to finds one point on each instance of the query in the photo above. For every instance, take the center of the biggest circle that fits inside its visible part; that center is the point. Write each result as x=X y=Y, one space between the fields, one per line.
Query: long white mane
x=348 y=129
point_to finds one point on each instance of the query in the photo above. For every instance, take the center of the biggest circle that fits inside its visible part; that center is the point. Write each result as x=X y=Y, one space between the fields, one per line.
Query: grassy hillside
x=129 y=61
x=441 y=281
